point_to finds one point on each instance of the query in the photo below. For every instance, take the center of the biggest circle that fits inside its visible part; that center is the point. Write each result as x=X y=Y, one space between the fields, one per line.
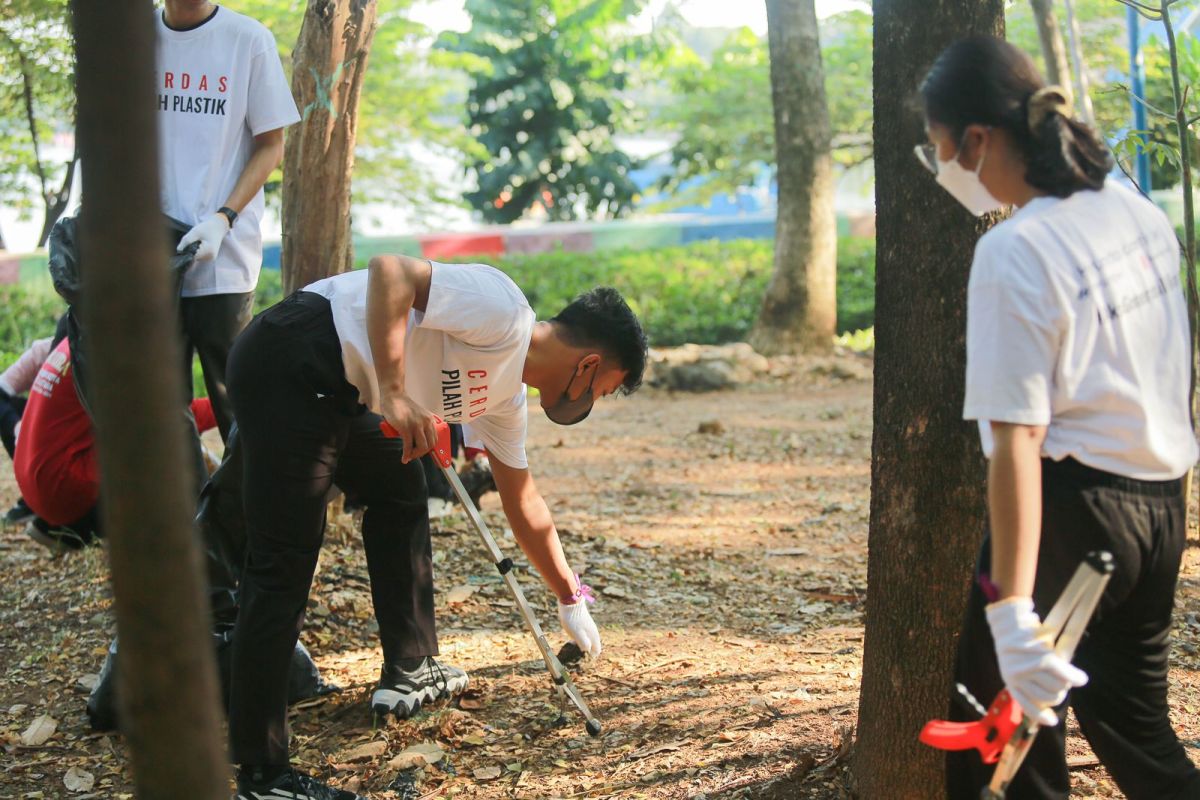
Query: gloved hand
x=209 y=233
x=578 y=624
x=1036 y=677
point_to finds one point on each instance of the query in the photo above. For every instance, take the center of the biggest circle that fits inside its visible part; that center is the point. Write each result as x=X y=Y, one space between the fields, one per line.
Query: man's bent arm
x=533 y=528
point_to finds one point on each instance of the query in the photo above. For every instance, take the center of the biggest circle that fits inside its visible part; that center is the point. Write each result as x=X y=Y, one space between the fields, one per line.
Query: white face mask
x=965 y=186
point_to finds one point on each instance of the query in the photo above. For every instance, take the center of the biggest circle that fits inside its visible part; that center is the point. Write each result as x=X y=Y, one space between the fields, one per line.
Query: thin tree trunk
x=56 y=202
x=799 y=310
x=927 y=473
x=328 y=65
x=1054 y=53
x=168 y=684
x=1083 y=90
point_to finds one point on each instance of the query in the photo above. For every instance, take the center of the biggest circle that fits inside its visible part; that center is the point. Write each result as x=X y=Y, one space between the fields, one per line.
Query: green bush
x=706 y=292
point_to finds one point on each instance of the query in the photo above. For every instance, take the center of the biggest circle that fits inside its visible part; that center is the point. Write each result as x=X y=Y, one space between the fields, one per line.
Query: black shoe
x=19 y=514
x=56 y=538
x=477 y=479
x=403 y=692
x=291 y=785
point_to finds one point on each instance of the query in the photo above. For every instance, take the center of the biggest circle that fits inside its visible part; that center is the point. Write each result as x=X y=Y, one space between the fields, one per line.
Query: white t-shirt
x=463 y=357
x=219 y=85
x=1076 y=321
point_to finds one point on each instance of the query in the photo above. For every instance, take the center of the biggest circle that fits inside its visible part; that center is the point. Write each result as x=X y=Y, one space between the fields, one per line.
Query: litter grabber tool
x=562 y=679
x=1004 y=734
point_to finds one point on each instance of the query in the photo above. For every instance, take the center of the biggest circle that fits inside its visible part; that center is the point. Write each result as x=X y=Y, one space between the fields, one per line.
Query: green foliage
x=405 y=92
x=705 y=292
x=36 y=56
x=544 y=104
x=722 y=112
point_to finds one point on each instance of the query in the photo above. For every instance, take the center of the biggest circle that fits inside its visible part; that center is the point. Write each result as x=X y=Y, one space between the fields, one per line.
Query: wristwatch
x=229 y=213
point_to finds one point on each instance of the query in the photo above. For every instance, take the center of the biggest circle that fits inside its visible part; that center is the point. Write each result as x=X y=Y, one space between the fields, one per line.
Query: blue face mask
x=570 y=412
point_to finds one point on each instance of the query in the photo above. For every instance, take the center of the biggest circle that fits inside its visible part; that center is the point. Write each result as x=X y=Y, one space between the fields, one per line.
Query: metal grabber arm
x=562 y=679
x=1004 y=734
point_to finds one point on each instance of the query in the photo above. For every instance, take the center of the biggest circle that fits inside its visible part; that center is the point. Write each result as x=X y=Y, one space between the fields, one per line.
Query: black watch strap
x=229 y=213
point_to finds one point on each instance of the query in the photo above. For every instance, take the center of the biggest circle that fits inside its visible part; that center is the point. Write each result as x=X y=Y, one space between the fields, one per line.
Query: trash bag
x=304 y=681
x=66 y=270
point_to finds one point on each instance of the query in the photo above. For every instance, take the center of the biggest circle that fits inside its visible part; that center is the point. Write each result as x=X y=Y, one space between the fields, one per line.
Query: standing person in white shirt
x=223 y=102
x=1078 y=373
x=405 y=339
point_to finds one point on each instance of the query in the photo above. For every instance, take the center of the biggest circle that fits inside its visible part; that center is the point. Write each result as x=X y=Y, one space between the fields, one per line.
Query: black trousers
x=1123 y=708
x=302 y=430
x=210 y=325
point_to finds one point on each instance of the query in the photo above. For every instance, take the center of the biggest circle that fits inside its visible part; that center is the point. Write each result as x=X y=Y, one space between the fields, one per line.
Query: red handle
x=988 y=735
x=440 y=451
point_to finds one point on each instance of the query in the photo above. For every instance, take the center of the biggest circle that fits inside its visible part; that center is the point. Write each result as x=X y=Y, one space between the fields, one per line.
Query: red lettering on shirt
x=479 y=401
x=203 y=87
x=478 y=389
x=169 y=80
x=222 y=83
x=477 y=412
x=477 y=373
x=185 y=80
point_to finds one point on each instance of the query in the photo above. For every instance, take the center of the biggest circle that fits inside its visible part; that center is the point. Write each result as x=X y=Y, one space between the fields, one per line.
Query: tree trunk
x=168 y=684
x=328 y=66
x=799 y=310
x=927 y=474
x=1083 y=94
x=56 y=202
x=1054 y=53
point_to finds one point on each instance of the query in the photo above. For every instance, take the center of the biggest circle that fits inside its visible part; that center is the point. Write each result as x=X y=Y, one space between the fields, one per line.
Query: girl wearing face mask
x=1078 y=375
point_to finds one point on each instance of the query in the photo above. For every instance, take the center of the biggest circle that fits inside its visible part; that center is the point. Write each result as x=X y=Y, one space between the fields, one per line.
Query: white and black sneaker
x=403 y=692
x=291 y=785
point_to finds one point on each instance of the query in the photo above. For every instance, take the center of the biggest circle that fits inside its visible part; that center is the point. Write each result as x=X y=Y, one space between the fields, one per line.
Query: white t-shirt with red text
x=463 y=356
x=220 y=84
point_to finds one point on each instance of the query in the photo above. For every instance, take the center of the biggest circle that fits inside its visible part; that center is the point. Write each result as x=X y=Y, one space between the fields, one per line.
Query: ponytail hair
x=984 y=80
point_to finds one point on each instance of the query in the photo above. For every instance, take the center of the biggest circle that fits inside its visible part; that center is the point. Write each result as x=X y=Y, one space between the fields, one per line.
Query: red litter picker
x=562 y=679
x=1004 y=734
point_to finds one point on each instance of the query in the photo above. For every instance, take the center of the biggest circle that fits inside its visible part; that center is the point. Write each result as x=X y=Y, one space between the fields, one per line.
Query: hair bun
x=1046 y=101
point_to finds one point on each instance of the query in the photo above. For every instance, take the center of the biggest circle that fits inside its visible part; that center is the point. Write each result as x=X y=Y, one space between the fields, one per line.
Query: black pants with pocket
x=302 y=430
x=211 y=323
x=1123 y=708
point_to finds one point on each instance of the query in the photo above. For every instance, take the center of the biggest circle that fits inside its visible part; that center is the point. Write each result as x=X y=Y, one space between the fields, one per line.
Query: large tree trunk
x=1054 y=53
x=328 y=65
x=927 y=474
x=799 y=311
x=168 y=683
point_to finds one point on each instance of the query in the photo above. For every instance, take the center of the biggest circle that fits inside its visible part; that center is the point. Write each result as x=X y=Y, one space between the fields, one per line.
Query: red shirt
x=55 y=462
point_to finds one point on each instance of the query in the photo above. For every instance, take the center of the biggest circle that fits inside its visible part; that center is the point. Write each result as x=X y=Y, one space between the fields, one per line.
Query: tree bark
x=1054 y=52
x=927 y=474
x=168 y=684
x=328 y=66
x=799 y=310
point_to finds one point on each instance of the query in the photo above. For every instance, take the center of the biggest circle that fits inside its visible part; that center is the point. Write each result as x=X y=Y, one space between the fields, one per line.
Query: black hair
x=602 y=319
x=985 y=80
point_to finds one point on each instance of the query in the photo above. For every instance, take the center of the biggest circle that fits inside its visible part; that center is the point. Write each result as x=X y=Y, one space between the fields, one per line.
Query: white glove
x=577 y=623
x=209 y=233
x=1036 y=677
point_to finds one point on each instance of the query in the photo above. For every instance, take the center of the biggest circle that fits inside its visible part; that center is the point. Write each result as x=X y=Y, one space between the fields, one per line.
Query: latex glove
x=578 y=624
x=1036 y=677
x=209 y=233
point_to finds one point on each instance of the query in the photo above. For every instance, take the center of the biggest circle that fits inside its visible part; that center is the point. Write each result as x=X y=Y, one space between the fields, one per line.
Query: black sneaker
x=57 y=539
x=291 y=785
x=428 y=682
x=19 y=514
x=477 y=478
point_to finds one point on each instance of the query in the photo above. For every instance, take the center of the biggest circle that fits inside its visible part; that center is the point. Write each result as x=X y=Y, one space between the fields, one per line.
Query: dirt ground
x=725 y=535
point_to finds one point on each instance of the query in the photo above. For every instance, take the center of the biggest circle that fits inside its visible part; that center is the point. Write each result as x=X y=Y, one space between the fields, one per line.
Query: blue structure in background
x=1137 y=80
